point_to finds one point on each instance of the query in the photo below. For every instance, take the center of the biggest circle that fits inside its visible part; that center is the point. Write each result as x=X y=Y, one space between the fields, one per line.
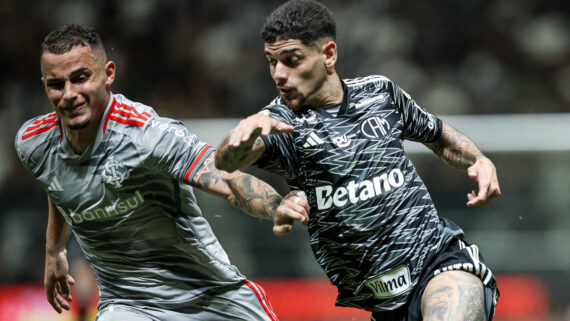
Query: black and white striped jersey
x=372 y=224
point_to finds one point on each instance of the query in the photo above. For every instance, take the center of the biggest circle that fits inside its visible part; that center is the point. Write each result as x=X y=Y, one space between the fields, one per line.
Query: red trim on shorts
x=260 y=293
x=196 y=162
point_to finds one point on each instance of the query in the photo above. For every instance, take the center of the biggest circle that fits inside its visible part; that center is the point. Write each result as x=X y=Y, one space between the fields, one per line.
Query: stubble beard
x=81 y=125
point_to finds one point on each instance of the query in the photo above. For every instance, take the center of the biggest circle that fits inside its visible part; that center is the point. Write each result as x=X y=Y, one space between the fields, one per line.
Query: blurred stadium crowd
x=204 y=59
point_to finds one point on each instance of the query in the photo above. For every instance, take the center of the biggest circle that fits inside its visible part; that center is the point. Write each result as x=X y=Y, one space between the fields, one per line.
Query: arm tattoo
x=455 y=149
x=461 y=297
x=208 y=175
x=254 y=196
x=233 y=158
x=243 y=191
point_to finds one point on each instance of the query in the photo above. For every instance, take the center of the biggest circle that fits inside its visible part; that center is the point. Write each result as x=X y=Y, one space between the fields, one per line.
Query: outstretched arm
x=252 y=196
x=458 y=151
x=56 y=278
x=242 y=146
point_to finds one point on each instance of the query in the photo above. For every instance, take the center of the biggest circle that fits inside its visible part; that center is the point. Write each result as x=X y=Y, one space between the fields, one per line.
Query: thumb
x=282 y=229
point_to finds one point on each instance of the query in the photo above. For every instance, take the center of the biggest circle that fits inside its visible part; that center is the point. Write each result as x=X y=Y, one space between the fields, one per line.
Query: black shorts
x=457 y=255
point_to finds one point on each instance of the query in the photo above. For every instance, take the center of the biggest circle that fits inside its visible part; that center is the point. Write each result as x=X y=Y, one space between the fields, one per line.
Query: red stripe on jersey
x=47 y=119
x=128 y=115
x=41 y=130
x=126 y=121
x=134 y=113
x=196 y=162
x=116 y=114
x=260 y=293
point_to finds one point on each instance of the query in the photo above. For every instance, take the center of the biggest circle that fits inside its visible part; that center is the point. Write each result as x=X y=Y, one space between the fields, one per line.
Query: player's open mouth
x=74 y=109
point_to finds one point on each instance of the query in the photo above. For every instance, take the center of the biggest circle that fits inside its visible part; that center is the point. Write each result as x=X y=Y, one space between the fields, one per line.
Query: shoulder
x=126 y=115
x=37 y=134
x=141 y=123
x=279 y=111
x=372 y=82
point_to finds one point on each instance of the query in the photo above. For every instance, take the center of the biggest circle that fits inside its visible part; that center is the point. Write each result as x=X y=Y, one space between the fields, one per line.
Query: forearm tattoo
x=254 y=196
x=246 y=192
x=455 y=149
x=208 y=175
x=233 y=158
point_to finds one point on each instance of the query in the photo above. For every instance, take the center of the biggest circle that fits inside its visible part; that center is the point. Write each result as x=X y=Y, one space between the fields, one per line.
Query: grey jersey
x=132 y=211
x=373 y=225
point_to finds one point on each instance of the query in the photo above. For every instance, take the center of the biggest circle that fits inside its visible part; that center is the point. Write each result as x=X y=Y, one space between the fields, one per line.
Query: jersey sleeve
x=33 y=141
x=419 y=124
x=280 y=157
x=172 y=148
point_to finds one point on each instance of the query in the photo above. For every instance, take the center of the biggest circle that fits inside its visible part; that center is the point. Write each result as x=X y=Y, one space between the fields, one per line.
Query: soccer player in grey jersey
x=374 y=228
x=119 y=176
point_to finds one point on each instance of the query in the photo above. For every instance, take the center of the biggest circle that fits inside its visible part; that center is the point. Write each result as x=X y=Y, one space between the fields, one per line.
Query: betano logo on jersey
x=355 y=192
x=103 y=212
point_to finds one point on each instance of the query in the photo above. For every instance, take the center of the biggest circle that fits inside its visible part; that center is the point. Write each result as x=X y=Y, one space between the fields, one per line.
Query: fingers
x=297 y=209
x=283 y=229
x=488 y=184
x=58 y=293
x=63 y=288
x=256 y=125
x=294 y=207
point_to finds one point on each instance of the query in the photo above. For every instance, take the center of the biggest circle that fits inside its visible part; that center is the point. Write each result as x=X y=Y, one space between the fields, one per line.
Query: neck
x=79 y=139
x=331 y=93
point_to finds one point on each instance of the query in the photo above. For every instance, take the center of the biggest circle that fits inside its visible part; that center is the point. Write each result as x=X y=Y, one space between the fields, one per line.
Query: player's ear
x=330 y=55
x=110 y=69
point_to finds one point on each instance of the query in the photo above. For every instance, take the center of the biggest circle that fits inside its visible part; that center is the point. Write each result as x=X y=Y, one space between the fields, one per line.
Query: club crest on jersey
x=114 y=172
x=375 y=127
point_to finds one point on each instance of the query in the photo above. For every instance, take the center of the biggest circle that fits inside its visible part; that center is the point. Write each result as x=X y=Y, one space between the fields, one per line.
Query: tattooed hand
x=243 y=145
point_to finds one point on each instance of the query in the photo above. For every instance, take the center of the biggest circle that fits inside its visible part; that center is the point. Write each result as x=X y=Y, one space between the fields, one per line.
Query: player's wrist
x=55 y=251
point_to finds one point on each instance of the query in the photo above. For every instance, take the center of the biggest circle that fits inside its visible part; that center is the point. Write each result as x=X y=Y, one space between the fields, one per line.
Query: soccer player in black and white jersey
x=120 y=178
x=374 y=228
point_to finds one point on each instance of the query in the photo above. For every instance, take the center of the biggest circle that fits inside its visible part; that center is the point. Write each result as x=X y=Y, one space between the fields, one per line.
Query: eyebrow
x=74 y=72
x=283 y=52
x=79 y=70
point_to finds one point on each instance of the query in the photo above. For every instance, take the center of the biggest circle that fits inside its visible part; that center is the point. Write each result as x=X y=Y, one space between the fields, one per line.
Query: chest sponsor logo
x=355 y=192
x=391 y=284
x=114 y=172
x=375 y=127
x=120 y=207
x=341 y=141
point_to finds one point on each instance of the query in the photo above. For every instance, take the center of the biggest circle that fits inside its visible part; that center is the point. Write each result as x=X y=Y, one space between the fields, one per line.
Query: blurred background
x=497 y=70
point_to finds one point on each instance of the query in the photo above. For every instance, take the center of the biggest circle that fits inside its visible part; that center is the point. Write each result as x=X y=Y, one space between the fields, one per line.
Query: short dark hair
x=64 y=38
x=304 y=20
